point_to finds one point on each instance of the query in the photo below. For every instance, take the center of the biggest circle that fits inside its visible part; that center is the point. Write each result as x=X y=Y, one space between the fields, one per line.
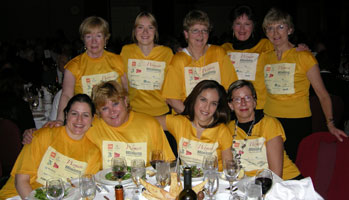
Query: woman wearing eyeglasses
x=198 y=61
x=258 y=139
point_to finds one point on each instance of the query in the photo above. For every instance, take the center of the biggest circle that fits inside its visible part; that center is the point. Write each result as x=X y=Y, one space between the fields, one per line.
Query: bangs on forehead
x=92 y=27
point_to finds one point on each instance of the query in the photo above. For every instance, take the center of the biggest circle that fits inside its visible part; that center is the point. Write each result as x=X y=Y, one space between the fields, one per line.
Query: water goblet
x=210 y=162
x=162 y=174
x=137 y=171
x=54 y=189
x=119 y=168
x=156 y=157
x=212 y=185
x=254 y=191
x=231 y=171
x=87 y=186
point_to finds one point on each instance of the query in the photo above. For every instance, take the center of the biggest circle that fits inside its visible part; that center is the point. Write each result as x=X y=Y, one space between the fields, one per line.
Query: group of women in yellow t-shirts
x=131 y=94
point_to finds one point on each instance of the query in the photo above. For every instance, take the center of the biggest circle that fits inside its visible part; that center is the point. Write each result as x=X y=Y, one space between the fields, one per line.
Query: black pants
x=295 y=130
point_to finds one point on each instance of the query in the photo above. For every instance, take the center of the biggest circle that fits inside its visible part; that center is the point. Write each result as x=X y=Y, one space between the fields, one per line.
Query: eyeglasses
x=279 y=27
x=238 y=100
x=197 y=31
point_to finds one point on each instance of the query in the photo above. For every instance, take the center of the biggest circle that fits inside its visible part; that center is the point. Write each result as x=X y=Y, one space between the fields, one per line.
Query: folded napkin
x=293 y=190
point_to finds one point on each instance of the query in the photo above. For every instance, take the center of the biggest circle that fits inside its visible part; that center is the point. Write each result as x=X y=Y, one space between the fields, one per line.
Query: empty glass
x=163 y=174
x=54 y=189
x=254 y=191
x=87 y=186
x=137 y=170
x=212 y=184
x=210 y=162
x=231 y=171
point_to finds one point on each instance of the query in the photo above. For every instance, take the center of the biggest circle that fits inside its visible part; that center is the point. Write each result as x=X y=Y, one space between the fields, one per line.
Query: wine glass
x=54 y=189
x=210 y=162
x=212 y=185
x=231 y=171
x=35 y=103
x=156 y=156
x=137 y=171
x=119 y=168
x=87 y=186
x=265 y=178
x=162 y=174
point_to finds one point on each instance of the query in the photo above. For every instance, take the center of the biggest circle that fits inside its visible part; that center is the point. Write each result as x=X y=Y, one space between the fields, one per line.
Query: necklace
x=237 y=155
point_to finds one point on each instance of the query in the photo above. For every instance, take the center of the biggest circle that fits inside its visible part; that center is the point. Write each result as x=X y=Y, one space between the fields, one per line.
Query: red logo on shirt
x=110 y=146
x=133 y=63
x=138 y=71
x=53 y=154
x=196 y=78
x=190 y=71
x=55 y=165
x=88 y=80
x=271 y=75
x=185 y=144
x=188 y=153
x=116 y=155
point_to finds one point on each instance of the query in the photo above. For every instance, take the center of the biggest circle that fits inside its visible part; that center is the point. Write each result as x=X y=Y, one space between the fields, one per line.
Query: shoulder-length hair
x=152 y=21
x=222 y=112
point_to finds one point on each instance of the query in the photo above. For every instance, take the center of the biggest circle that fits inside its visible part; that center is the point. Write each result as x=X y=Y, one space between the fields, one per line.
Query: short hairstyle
x=82 y=98
x=275 y=15
x=196 y=17
x=242 y=10
x=108 y=90
x=152 y=21
x=239 y=84
x=222 y=112
x=94 y=22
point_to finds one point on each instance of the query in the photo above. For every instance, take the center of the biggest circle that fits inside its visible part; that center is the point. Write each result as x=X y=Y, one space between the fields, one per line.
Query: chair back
x=10 y=145
x=326 y=160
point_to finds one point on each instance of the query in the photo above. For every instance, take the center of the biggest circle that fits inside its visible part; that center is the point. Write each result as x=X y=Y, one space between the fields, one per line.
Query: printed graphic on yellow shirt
x=245 y=64
x=91 y=80
x=254 y=155
x=146 y=74
x=279 y=78
x=193 y=152
x=193 y=75
x=129 y=151
x=57 y=165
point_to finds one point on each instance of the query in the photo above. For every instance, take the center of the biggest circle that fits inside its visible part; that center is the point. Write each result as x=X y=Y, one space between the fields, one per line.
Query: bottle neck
x=187 y=179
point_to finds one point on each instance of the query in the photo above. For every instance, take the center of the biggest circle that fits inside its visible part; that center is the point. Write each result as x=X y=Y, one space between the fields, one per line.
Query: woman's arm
x=315 y=79
x=227 y=154
x=275 y=155
x=124 y=82
x=22 y=185
x=176 y=104
x=162 y=120
x=67 y=93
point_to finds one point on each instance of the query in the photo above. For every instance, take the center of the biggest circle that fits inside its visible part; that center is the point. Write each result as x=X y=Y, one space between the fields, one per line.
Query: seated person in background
x=118 y=131
x=53 y=150
x=253 y=130
x=200 y=129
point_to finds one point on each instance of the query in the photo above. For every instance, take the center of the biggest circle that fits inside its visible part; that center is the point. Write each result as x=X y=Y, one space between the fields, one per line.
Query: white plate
x=201 y=178
x=73 y=193
x=100 y=177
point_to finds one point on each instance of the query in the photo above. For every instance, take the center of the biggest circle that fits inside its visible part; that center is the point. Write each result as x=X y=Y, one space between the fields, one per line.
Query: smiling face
x=79 y=120
x=243 y=28
x=197 y=36
x=114 y=113
x=145 y=32
x=95 y=42
x=243 y=104
x=205 y=106
x=278 y=33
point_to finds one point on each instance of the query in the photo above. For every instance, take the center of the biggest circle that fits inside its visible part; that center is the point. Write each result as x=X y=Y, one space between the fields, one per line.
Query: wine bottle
x=187 y=193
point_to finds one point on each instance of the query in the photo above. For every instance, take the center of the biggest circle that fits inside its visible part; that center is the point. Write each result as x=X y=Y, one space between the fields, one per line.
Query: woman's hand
x=336 y=132
x=302 y=47
x=55 y=123
x=28 y=136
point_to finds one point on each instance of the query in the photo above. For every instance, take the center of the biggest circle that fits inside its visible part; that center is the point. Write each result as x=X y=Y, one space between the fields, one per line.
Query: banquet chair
x=326 y=160
x=10 y=145
x=318 y=117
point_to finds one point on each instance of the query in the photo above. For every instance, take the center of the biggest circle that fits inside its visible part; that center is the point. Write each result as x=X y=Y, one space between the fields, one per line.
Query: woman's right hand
x=55 y=123
x=28 y=136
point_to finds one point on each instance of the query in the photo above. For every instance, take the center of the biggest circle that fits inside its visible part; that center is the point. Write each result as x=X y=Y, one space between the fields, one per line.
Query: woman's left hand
x=336 y=132
x=302 y=47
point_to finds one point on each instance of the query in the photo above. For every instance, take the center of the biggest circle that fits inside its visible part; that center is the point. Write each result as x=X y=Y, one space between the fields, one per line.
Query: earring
x=85 y=48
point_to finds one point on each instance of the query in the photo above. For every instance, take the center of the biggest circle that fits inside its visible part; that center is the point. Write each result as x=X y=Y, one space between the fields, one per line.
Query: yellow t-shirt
x=53 y=154
x=287 y=83
x=254 y=155
x=89 y=72
x=145 y=78
x=184 y=72
x=136 y=138
x=248 y=68
x=191 y=149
